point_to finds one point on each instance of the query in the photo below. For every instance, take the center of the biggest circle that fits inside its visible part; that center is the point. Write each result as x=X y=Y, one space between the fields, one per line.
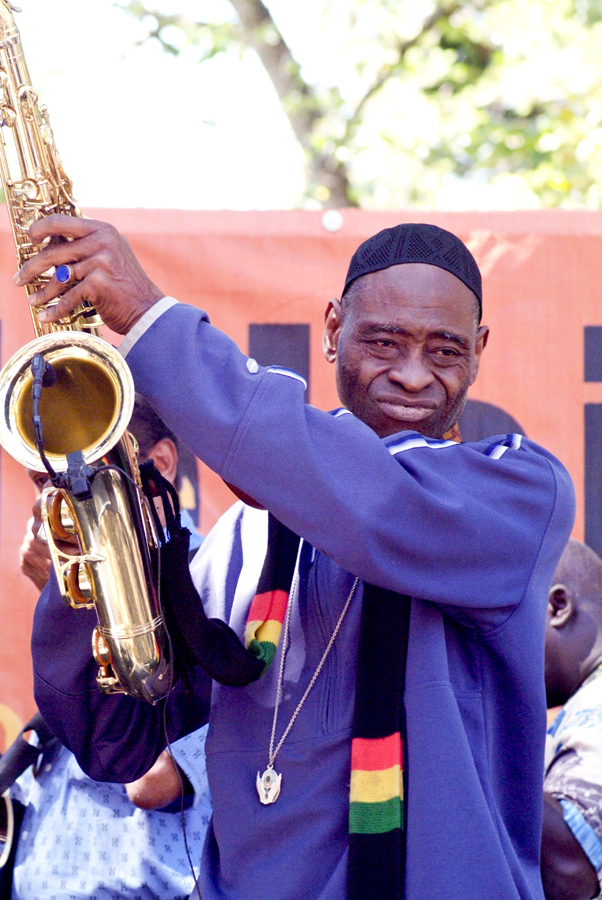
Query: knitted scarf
x=376 y=800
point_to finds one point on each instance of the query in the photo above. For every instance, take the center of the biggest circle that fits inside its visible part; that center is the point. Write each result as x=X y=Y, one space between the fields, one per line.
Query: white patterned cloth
x=573 y=766
x=84 y=839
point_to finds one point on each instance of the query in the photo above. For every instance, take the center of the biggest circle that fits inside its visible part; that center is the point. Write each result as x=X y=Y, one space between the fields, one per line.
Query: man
x=571 y=862
x=455 y=543
x=81 y=838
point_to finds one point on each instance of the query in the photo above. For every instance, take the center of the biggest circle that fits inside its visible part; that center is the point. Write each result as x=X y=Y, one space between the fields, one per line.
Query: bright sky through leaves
x=136 y=127
x=497 y=105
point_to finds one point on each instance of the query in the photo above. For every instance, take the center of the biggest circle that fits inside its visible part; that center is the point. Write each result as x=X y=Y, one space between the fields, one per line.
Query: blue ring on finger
x=64 y=274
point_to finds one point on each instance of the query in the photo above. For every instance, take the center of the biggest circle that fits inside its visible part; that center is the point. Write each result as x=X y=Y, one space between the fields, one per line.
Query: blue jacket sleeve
x=395 y=512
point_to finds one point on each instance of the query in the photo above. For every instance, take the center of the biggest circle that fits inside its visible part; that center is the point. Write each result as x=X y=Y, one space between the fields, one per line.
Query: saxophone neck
x=33 y=178
x=6 y=12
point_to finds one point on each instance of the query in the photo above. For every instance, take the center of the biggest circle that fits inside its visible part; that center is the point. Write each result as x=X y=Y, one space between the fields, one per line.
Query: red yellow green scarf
x=376 y=801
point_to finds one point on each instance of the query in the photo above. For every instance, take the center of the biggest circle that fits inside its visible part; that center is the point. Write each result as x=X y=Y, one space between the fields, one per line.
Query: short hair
x=580 y=568
x=147 y=427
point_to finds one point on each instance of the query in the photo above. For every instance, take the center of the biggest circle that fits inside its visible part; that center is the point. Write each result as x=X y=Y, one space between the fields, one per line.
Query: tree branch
x=440 y=12
x=259 y=31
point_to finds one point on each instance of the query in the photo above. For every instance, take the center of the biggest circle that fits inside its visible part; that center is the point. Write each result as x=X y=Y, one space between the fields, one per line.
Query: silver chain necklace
x=268 y=784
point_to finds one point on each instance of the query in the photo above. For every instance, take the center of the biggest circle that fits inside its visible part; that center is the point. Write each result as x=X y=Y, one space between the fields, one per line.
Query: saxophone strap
x=21 y=754
x=196 y=639
x=156 y=486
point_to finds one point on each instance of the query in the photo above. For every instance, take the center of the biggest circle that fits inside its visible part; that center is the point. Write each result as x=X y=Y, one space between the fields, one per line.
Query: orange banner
x=254 y=270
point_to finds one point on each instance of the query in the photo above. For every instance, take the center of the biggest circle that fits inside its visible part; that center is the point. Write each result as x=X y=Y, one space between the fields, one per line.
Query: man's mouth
x=406 y=413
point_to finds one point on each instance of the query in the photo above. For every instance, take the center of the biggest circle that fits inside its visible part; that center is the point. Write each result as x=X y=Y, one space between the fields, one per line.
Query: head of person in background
x=156 y=442
x=571 y=861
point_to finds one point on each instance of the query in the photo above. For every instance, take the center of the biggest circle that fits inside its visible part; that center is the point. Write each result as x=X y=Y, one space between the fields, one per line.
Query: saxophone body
x=85 y=411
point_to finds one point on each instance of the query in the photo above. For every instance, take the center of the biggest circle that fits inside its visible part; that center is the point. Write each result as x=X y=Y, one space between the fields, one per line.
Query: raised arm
x=392 y=511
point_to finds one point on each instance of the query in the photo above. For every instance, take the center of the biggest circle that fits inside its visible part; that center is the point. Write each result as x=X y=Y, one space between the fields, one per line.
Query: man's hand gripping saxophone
x=102 y=269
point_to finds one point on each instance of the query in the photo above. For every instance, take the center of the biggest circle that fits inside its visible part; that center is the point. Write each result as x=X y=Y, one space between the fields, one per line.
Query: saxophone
x=85 y=414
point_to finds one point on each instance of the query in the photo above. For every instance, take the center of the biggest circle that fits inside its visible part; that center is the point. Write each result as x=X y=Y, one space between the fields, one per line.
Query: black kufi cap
x=417 y=243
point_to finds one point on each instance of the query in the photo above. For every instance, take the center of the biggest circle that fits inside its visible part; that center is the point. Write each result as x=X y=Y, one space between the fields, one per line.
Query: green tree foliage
x=397 y=102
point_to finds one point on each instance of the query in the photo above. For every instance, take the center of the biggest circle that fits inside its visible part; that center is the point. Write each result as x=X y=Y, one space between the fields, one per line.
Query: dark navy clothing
x=472 y=532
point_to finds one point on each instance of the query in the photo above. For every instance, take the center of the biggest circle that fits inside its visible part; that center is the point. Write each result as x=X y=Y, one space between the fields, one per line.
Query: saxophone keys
x=28 y=189
x=8 y=116
x=100 y=649
x=79 y=585
x=27 y=96
x=60 y=515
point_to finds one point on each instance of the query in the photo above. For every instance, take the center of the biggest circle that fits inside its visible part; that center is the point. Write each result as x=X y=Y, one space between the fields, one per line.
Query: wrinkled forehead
x=413 y=292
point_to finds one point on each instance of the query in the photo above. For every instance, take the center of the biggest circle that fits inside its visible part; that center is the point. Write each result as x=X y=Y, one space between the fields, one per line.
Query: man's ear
x=560 y=605
x=165 y=456
x=333 y=319
x=480 y=344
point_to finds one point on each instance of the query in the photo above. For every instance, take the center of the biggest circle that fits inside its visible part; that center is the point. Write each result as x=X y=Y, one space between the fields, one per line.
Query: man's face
x=406 y=347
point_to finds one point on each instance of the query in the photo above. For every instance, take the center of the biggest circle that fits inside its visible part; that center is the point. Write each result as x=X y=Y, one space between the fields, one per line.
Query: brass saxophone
x=84 y=414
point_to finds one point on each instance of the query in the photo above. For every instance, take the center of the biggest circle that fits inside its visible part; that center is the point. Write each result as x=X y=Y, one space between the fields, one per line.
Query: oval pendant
x=268 y=786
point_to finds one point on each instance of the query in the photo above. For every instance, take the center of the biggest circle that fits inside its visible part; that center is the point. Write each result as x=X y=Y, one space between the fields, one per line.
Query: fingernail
x=17 y=279
x=42 y=316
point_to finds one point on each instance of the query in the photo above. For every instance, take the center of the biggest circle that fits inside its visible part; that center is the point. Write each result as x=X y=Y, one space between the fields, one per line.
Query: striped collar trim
x=509 y=442
x=411 y=443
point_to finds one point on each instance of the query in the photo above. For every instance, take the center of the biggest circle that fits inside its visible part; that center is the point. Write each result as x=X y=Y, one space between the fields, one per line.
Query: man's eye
x=446 y=353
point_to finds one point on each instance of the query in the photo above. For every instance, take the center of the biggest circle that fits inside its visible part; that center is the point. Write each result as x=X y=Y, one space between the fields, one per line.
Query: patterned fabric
x=376 y=811
x=574 y=766
x=85 y=839
x=376 y=796
x=416 y=243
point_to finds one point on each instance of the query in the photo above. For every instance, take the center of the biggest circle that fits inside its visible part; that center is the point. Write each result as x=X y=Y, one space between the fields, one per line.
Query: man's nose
x=411 y=371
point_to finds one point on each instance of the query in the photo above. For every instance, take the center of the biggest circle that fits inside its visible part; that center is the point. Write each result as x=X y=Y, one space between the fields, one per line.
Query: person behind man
x=157 y=442
x=82 y=838
x=571 y=847
x=414 y=636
